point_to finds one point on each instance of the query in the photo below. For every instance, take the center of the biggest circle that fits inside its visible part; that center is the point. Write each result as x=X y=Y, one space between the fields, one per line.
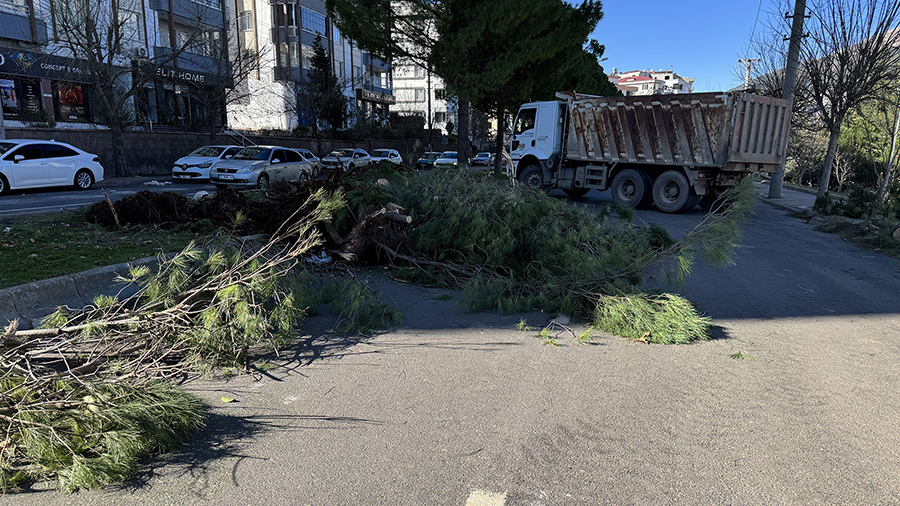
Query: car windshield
x=208 y=151
x=483 y=155
x=448 y=154
x=381 y=153
x=341 y=152
x=431 y=156
x=6 y=146
x=253 y=154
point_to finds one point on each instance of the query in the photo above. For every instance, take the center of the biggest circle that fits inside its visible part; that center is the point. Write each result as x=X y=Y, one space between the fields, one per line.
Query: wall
x=152 y=153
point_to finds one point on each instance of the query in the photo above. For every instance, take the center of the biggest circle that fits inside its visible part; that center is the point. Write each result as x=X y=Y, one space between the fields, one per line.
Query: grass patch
x=872 y=235
x=442 y=296
x=48 y=245
x=741 y=356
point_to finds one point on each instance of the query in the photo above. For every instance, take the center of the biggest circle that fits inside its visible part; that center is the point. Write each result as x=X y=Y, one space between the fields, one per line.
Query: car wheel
x=4 y=185
x=84 y=179
x=672 y=192
x=350 y=168
x=631 y=187
x=305 y=178
x=262 y=182
x=533 y=177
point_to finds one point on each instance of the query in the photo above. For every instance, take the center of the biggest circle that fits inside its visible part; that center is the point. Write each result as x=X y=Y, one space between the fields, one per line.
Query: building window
x=336 y=36
x=420 y=94
x=440 y=117
x=245 y=21
x=308 y=53
x=312 y=21
x=16 y=6
x=339 y=69
x=21 y=99
x=356 y=73
x=418 y=71
x=70 y=102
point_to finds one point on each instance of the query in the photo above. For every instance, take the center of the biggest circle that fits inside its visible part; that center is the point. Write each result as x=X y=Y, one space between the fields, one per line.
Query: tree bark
x=118 y=145
x=464 y=147
x=829 y=160
x=501 y=127
x=889 y=167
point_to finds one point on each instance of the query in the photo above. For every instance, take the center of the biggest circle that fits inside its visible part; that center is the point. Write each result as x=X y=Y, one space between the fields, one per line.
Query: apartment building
x=651 y=82
x=186 y=61
x=421 y=93
x=282 y=33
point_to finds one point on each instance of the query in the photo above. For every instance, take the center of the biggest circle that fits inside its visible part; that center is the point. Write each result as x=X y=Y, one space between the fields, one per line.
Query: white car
x=386 y=155
x=32 y=163
x=196 y=164
x=348 y=158
x=313 y=160
x=447 y=159
x=258 y=166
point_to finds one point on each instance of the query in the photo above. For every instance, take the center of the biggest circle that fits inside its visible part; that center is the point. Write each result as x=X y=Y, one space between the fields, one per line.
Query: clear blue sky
x=700 y=39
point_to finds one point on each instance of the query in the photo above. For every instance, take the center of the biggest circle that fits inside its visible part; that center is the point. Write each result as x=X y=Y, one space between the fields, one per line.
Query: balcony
x=190 y=12
x=285 y=34
x=16 y=25
x=292 y=74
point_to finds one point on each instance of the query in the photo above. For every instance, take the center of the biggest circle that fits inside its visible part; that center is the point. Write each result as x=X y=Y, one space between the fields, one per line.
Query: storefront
x=182 y=99
x=41 y=88
x=374 y=105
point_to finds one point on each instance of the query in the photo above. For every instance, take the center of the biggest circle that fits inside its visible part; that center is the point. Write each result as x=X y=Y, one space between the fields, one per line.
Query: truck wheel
x=671 y=192
x=533 y=177
x=577 y=192
x=631 y=187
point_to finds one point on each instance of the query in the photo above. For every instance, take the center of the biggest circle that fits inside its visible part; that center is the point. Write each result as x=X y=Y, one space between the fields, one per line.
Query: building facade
x=282 y=34
x=651 y=82
x=421 y=93
x=176 y=64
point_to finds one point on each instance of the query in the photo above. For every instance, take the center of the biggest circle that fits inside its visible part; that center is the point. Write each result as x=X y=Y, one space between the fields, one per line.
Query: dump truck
x=673 y=151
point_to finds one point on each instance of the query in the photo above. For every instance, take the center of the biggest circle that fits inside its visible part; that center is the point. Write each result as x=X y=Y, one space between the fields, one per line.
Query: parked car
x=348 y=158
x=386 y=155
x=313 y=160
x=258 y=166
x=31 y=163
x=483 y=158
x=427 y=159
x=196 y=164
x=447 y=159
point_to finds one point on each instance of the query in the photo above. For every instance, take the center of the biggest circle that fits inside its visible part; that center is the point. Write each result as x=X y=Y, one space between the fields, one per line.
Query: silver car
x=313 y=160
x=258 y=166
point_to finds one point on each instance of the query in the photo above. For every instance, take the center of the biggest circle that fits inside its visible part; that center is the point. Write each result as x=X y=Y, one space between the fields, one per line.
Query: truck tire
x=576 y=192
x=533 y=177
x=672 y=192
x=631 y=187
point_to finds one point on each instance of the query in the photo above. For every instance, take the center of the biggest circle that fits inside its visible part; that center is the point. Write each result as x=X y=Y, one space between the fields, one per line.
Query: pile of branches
x=88 y=394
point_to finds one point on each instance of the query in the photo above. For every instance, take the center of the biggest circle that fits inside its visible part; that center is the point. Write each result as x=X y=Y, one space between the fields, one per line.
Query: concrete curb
x=33 y=301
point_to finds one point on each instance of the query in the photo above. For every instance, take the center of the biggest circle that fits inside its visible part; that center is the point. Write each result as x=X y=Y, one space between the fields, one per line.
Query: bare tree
x=849 y=55
x=105 y=39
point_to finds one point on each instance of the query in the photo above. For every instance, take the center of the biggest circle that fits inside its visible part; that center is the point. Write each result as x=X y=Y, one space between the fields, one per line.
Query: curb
x=32 y=301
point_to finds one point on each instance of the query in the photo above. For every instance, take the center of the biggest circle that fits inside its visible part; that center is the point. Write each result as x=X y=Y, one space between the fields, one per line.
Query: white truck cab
x=537 y=134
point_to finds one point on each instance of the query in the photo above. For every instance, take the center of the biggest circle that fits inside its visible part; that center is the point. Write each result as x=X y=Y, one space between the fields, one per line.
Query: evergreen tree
x=320 y=95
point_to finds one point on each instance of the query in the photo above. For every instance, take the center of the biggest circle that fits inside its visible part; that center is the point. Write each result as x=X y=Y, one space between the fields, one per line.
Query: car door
x=276 y=165
x=61 y=163
x=31 y=171
x=293 y=166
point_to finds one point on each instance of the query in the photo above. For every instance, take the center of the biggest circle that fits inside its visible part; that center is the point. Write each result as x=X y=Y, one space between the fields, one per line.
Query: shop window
x=70 y=102
x=21 y=100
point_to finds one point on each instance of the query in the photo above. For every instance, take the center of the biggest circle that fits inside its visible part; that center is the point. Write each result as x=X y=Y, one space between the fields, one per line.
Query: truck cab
x=537 y=137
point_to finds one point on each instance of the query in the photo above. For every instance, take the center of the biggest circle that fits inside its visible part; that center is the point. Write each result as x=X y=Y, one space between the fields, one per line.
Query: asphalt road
x=461 y=409
x=43 y=200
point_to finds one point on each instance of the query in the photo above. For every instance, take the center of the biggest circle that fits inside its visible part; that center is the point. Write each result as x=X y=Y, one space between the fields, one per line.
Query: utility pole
x=749 y=62
x=776 y=184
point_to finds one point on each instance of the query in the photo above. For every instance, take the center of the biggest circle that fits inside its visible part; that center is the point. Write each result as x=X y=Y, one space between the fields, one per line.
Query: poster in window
x=71 y=102
x=9 y=98
x=31 y=101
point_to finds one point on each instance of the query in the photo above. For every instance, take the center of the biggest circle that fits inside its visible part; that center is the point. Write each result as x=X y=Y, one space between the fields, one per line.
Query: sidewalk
x=791 y=199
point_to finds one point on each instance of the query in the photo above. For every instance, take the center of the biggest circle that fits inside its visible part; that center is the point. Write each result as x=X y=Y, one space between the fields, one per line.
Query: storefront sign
x=374 y=96
x=24 y=63
x=181 y=75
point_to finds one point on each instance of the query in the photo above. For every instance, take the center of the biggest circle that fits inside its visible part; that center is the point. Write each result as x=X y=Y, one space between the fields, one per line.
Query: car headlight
x=246 y=169
x=204 y=165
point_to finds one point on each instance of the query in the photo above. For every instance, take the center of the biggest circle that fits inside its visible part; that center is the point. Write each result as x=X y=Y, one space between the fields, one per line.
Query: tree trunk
x=501 y=126
x=829 y=160
x=889 y=167
x=464 y=147
x=118 y=145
